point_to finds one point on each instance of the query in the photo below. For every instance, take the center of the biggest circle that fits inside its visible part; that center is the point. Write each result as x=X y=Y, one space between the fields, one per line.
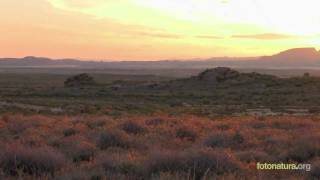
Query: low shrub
x=82 y=174
x=92 y=124
x=132 y=128
x=315 y=170
x=112 y=139
x=120 y=166
x=254 y=156
x=224 y=139
x=69 y=132
x=19 y=126
x=285 y=125
x=303 y=149
x=80 y=151
x=201 y=163
x=258 y=125
x=33 y=161
x=223 y=127
x=186 y=133
x=154 y=122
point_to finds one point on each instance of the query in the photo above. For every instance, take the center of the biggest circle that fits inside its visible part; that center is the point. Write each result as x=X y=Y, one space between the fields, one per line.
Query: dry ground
x=156 y=147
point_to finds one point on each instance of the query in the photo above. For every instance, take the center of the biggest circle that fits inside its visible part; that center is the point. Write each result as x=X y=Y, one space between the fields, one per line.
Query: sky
x=156 y=29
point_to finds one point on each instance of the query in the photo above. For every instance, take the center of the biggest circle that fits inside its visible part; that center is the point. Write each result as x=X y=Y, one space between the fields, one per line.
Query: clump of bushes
x=92 y=124
x=225 y=139
x=80 y=151
x=186 y=133
x=285 y=125
x=109 y=139
x=200 y=162
x=258 y=125
x=120 y=165
x=303 y=149
x=132 y=128
x=15 y=159
x=82 y=173
x=254 y=156
x=315 y=170
x=69 y=132
x=223 y=127
x=18 y=126
x=154 y=122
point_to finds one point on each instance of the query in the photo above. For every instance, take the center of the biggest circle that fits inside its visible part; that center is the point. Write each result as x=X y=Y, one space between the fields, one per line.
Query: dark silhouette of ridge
x=212 y=78
x=292 y=58
x=299 y=53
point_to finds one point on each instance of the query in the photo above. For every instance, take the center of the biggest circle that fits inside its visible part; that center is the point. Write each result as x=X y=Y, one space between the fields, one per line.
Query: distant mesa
x=218 y=74
x=298 y=54
x=80 y=81
x=306 y=53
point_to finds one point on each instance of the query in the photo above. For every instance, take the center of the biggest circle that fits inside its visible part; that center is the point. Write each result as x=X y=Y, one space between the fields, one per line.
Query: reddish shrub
x=18 y=126
x=258 y=125
x=69 y=132
x=132 y=128
x=224 y=139
x=154 y=122
x=200 y=162
x=120 y=166
x=254 y=156
x=223 y=127
x=112 y=139
x=315 y=170
x=286 y=125
x=32 y=161
x=85 y=173
x=80 y=151
x=186 y=133
x=92 y=124
x=303 y=149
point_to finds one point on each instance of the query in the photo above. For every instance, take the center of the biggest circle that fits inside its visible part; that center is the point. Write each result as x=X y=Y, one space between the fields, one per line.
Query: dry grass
x=161 y=147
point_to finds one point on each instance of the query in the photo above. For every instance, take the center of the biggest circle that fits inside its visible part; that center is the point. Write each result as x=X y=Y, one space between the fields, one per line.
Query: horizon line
x=150 y=60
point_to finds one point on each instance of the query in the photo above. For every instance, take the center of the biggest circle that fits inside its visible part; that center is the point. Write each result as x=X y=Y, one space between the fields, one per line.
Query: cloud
x=158 y=35
x=208 y=37
x=80 y=3
x=266 y=36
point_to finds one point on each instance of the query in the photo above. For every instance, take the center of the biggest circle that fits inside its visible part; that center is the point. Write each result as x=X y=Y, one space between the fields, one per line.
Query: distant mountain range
x=292 y=58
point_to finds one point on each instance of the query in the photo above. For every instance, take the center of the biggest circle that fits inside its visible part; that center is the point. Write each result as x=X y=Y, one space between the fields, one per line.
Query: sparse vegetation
x=212 y=93
x=130 y=127
x=44 y=161
x=181 y=148
x=199 y=164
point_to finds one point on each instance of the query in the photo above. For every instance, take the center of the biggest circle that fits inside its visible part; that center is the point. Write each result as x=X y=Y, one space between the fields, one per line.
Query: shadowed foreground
x=158 y=147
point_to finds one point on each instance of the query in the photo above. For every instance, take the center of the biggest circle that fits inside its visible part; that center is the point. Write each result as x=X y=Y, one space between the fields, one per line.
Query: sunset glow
x=156 y=29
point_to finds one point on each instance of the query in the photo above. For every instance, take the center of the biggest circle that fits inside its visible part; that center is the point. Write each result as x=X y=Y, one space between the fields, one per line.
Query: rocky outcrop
x=80 y=80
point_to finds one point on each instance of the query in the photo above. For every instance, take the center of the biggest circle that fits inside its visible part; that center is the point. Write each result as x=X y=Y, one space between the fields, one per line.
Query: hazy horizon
x=156 y=29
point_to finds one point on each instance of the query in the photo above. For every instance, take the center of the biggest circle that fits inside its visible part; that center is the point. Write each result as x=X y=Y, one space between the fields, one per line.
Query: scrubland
x=160 y=146
x=217 y=125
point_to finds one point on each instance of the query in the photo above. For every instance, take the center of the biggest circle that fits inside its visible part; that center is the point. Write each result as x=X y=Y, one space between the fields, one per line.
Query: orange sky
x=156 y=29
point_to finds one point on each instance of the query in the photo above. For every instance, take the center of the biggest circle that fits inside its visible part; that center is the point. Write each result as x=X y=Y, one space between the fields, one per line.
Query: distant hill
x=292 y=58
